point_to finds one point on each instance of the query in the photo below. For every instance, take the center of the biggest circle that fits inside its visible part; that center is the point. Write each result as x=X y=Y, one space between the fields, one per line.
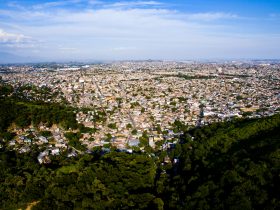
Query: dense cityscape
x=130 y=99
x=139 y=104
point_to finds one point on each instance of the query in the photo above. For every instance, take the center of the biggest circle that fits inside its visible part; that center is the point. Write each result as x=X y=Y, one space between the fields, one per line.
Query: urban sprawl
x=133 y=99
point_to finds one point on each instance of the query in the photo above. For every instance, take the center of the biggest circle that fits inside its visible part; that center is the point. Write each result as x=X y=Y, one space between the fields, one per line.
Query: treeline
x=14 y=109
x=188 y=77
x=230 y=165
x=112 y=181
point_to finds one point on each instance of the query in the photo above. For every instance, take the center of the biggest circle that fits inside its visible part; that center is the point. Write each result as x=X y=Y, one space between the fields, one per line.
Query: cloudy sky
x=80 y=30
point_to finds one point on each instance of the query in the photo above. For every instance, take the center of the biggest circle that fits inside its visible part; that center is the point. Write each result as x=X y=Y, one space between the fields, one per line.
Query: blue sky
x=64 y=30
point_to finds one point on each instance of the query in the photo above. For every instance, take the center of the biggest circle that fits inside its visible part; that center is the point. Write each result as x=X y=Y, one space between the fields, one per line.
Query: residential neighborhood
x=125 y=103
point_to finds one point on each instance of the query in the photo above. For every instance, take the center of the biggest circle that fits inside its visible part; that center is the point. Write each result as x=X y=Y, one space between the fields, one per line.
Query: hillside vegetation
x=229 y=165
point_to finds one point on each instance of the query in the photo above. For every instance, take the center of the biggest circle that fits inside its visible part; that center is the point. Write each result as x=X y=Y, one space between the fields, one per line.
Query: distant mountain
x=11 y=58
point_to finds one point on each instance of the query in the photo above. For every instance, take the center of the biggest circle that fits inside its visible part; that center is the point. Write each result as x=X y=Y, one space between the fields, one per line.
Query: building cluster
x=124 y=100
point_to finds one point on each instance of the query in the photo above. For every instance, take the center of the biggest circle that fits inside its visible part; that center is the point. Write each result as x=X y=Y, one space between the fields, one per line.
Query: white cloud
x=135 y=4
x=15 y=5
x=54 y=4
x=16 y=41
x=212 y=16
x=6 y=37
x=49 y=4
x=127 y=30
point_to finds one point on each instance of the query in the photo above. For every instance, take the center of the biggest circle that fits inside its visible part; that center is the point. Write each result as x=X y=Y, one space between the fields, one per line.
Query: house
x=43 y=139
x=151 y=141
x=27 y=141
x=133 y=142
x=22 y=138
x=12 y=143
x=54 y=151
x=72 y=154
x=176 y=160
x=129 y=151
x=43 y=157
x=166 y=160
x=24 y=149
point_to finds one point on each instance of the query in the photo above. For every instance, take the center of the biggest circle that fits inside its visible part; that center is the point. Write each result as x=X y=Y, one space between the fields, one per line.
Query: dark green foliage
x=5 y=90
x=128 y=126
x=134 y=132
x=112 y=125
x=114 y=181
x=188 y=77
x=179 y=126
x=144 y=139
x=84 y=129
x=15 y=107
x=74 y=140
x=7 y=135
x=230 y=165
x=46 y=133
x=239 y=97
x=25 y=113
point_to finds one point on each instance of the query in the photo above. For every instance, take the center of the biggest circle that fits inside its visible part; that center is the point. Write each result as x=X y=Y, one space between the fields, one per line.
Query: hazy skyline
x=117 y=30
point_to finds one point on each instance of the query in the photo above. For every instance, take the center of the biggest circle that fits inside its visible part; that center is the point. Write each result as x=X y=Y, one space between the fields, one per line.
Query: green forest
x=18 y=109
x=226 y=165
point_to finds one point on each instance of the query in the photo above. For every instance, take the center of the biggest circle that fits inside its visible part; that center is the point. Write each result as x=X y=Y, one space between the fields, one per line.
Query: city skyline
x=83 y=30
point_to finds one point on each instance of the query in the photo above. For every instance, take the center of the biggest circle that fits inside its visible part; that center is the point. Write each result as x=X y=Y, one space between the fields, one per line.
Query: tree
x=129 y=126
x=134 y=132
x=112 y=125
